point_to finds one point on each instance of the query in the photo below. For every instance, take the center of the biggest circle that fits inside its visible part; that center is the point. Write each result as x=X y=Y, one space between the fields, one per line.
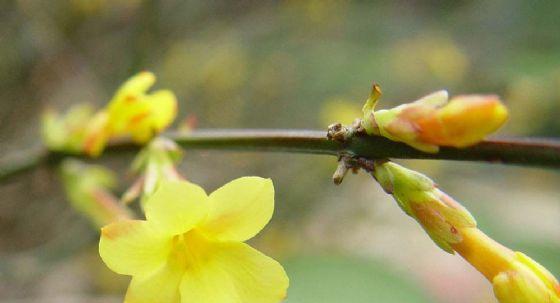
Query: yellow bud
x=526 y=281
x=516 y=277
x=432 y=121
x=439 y=215
x=87 y=188
x=464 y=121
x=154 y=164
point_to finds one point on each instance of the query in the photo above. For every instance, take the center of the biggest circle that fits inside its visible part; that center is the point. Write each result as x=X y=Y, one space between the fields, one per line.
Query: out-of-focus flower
x=516 y=278
x=417 y=195
x=131 y=112
x=87 y=188
x=66 y=132
x=432 y=121
x=155 y=164
x=190 y=248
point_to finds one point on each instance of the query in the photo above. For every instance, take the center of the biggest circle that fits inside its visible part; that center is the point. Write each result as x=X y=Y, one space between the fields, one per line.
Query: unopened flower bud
x=439 y=215
x=154 y=164
x=526 y=281
x=464 y=121
x=432 y=121
x=87 y=188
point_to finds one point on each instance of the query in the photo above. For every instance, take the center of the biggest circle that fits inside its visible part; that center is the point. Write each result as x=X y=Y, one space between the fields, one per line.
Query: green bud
x=439 y=214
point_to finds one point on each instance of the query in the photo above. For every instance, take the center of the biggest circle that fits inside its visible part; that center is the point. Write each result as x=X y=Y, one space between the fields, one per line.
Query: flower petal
x=239 y=209
x=163 y=105
x=176 y=206
x=233 y=272
x=133 y=247
x=157 y=111
x=160 y=286
x=135 y=85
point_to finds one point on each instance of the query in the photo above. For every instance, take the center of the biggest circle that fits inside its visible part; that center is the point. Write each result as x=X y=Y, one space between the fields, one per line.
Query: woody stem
x=524 y=151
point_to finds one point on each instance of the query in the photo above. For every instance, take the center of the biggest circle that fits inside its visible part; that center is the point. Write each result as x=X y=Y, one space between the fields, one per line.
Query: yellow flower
x=432 y=121
x=66 y=132
x=439 y=215
x=132 y=112
x=190 y=248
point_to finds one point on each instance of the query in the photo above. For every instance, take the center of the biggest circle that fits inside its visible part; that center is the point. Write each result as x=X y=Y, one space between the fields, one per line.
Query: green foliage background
x=285 y=64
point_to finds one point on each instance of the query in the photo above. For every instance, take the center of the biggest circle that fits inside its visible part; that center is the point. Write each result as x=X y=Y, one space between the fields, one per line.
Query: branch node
x=346 y=163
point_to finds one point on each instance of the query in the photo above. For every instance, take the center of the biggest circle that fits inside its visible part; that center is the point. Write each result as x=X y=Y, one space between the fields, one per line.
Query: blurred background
x=284 y=64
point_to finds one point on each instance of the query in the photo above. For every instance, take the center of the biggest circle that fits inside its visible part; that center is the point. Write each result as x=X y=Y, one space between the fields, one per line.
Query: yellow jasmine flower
x=190 y=247
x=132 y=112
x=66 y=132
x=435 y=121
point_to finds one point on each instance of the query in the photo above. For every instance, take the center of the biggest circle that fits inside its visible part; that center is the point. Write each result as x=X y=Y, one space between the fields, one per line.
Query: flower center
x=190 y=250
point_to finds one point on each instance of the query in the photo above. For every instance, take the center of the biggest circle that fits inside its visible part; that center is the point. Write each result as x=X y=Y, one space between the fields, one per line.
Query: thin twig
x=529 y=152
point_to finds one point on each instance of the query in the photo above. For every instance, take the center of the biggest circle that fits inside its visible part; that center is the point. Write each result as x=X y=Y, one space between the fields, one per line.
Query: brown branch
x=529 y=152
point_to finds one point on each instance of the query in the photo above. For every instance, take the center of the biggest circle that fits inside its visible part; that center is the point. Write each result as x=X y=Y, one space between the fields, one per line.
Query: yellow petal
x=160 y=286
x=128 y=105
x=239 y=209
x=158 y=111
x=233 y=272
x=133 y=247
x=176 y=206
x=137 y=84
x=464 y=121
x=96 y=134
x=437 y=99
x=163 y=105
x=520 y=286
x=131 y=114
x=541 y=272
